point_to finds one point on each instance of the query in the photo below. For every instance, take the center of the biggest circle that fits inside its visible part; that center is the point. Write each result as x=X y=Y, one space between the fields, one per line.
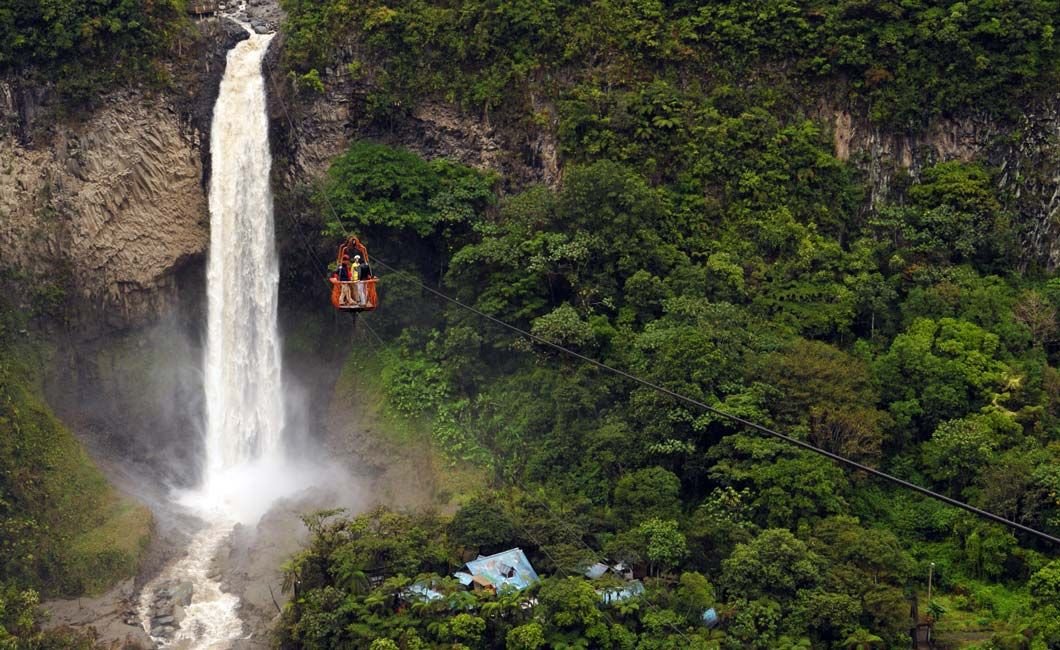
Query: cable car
x=347 y=294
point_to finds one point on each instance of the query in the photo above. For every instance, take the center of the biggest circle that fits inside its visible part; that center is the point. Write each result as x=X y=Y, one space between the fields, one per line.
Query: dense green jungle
x=703 y=235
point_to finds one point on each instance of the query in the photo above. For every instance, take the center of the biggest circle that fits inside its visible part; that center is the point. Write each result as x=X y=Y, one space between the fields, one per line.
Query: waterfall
x=244 y=469
x=247 y=469
x=242 y=382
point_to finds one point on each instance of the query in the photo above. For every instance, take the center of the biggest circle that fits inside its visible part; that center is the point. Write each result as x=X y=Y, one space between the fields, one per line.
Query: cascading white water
x=244 y=400
x=244 y=470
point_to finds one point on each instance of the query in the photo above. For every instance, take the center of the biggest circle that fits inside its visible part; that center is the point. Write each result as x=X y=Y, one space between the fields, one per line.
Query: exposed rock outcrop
x=107 y=211
x=1027 y=153
x=113 y=616
x=100 y=216
x=310 y=130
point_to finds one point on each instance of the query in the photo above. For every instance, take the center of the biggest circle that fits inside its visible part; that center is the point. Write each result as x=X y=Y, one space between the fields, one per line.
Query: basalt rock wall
x=104 y=215
x=1025 y=152
x=310 y=129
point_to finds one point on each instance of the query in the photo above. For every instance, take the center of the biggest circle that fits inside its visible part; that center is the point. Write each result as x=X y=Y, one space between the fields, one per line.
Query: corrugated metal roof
x=625 y=592
x=710 y=617
x=420 y=590
x=505 y=569
x=464 y=578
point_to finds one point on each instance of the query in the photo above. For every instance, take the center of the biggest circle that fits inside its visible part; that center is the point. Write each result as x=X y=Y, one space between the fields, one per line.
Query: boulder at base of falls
x=259 y=26
x=112 y=616
x=181 y=593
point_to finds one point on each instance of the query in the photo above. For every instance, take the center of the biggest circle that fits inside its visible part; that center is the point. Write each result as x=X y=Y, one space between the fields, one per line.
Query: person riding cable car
x=352 y=282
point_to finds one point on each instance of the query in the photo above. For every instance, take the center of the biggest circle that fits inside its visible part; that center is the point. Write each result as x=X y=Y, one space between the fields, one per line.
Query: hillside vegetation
x=87 y=46
x=64 y=531
x=705 y=238
x=904 y=62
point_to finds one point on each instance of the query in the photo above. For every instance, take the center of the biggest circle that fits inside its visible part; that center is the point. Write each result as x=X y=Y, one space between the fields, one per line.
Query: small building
x=421 y=591
x=710 y=618
x=203 y=7
x=598 y=570
x=508 y=569
x=619 y=594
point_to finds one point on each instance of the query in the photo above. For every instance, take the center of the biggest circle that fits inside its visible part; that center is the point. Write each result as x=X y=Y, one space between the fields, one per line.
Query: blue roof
x=710 y=617
x=420 y=590
x=506 y=569
x=596 y=570
x=625 y=592
x=464 y=578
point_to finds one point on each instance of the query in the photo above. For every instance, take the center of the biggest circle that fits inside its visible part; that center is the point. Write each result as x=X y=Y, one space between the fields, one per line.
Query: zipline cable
x=843 y=460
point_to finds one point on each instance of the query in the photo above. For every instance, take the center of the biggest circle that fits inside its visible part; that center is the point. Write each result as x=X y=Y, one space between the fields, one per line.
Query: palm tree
x=862 y=639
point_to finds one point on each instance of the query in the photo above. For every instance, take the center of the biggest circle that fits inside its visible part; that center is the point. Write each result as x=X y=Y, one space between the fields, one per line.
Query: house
x=599 y=569
x=203 y=7
x=630 y=589
x=421 y=591
x=505 y=570
x=618 y=594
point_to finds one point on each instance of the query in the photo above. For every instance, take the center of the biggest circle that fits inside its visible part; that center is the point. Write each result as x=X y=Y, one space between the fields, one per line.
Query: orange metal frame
x=371 y=297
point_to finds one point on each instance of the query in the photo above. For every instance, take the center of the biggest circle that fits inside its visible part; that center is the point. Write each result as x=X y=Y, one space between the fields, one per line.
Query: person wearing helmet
x=356 y=269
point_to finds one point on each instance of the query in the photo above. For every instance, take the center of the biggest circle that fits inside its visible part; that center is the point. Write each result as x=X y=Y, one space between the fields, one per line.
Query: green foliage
x=664 y=545
x=20 y=621
x=569 y=603
x=311 y=81
x=87 y=46
x=563 y=326
x=19 y=616
x=774 y=564
x=647 y=493
x=862 y=639
x=906 y=63
x=1044 y=585
x=830 y=394
x=705 y=237
x=481 y=523
x=525 y=637
x=939 y=370
x=753 y=625
x=959 y=449
x=373 y=185
x=954 y=216
x=62 y=527
x=789 y=485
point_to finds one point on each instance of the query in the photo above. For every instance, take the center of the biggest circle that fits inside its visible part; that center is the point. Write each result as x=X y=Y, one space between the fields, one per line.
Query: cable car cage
x=371 y=298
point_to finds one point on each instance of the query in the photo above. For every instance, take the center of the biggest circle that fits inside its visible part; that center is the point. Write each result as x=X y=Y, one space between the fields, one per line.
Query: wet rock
x=267 y=10
x=163 y=620
x=182 y=593
x=126 y=180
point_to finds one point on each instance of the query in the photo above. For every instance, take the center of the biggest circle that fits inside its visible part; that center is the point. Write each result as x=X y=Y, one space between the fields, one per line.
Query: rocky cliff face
x=1027 y=153
x=107 y=211
x=312 y=129
x=100 y=216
